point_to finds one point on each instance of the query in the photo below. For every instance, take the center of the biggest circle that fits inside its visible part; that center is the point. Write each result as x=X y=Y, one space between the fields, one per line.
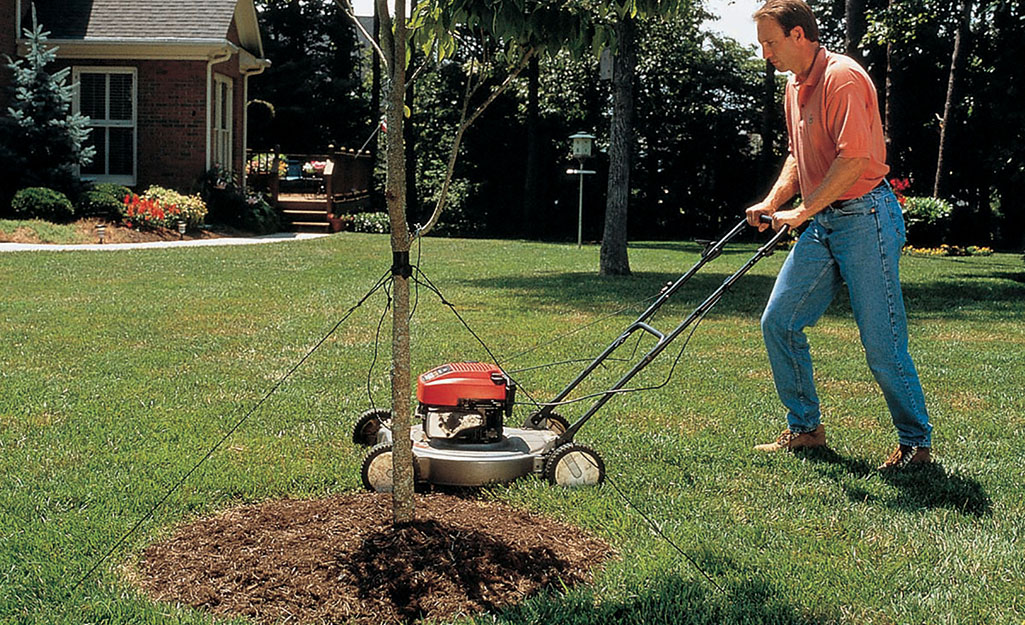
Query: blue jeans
x=858 y=242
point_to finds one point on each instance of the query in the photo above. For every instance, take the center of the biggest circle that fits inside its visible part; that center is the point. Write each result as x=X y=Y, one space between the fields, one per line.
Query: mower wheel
x=556 y=423
x=377 y=469
x=365 y=431
x=574 y=465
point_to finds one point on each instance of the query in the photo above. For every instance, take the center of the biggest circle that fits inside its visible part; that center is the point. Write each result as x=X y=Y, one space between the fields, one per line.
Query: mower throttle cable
x=385 y=279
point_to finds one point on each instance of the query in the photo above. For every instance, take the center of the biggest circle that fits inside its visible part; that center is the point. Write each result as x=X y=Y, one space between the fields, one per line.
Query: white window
x=223 y=107
x=107 y=95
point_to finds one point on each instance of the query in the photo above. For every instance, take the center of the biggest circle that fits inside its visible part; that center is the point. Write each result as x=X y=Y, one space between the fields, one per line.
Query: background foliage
x=701 y=115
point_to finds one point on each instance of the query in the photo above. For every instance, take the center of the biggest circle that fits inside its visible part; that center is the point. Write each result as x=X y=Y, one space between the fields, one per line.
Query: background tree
x=953 y=92
x=315 y=83
x=42 y=143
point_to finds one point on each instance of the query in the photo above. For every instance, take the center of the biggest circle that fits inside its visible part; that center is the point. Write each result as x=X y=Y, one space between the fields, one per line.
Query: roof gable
x=149 y=19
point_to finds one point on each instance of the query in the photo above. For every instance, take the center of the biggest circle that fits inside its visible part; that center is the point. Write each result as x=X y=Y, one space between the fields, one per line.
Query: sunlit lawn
x=119 y=370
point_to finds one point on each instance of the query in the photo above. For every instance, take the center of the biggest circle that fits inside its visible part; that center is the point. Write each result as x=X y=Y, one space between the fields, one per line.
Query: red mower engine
x=465 y=401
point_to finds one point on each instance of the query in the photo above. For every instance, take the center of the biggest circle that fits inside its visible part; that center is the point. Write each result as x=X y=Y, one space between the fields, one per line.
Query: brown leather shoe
x=906 y=455
x=792 y=441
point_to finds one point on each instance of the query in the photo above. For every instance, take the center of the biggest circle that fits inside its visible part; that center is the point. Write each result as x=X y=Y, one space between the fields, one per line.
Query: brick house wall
x=171 y=118
x=172 y=123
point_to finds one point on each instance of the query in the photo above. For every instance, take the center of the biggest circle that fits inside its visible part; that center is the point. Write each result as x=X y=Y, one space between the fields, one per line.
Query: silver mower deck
x=439 y=461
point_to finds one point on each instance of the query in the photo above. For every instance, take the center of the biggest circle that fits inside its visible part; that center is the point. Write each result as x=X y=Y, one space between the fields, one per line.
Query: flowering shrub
x=899 y=186
x=377 y=223
x=927 y=219
x=264 y=163
x=191 y=208
x=160 y=207
x=949 y=250
x=142 y=212
x=233 y=205
x=314 y=167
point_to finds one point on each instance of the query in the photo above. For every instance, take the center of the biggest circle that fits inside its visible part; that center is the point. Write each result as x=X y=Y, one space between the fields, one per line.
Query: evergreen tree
x=41 y=141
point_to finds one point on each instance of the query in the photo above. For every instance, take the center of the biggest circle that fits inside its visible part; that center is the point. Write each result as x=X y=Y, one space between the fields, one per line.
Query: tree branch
x=387 y=32
x=346 y=7
x=464 y=123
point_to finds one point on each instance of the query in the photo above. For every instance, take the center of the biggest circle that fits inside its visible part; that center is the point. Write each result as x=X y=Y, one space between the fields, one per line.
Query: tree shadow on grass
x=427 y=568
x=919 y=487
x=667 y=599
x=589 y=292
x=586 y=291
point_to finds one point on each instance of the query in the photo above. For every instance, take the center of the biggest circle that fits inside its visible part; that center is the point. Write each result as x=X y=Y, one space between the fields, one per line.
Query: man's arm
x=842 y=175
x=785 y=187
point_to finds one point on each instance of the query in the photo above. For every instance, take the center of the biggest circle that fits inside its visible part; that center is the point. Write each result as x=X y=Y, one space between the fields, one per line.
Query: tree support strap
x=400 y=264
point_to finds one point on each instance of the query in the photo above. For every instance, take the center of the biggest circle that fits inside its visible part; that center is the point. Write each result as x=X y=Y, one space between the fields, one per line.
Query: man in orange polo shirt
x=837 y=162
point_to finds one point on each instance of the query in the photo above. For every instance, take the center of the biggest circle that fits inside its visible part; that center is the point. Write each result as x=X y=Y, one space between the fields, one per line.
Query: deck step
x=305 y=214
x=310 y=226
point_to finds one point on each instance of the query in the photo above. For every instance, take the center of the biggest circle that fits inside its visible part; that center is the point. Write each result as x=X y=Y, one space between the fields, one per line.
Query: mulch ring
x=341 y=559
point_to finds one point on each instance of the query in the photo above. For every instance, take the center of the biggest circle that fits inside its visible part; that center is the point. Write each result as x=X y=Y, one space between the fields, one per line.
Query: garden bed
x=342 y=560
x=84 y=231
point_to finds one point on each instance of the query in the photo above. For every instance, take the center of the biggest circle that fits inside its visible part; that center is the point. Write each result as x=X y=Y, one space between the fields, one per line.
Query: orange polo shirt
x=834 y=113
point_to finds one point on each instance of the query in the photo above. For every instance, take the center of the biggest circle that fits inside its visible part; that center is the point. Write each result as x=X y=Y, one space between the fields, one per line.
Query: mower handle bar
x=663 y=340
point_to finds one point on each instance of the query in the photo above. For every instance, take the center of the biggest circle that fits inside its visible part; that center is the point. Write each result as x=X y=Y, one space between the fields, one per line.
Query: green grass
x=119 y=370
x=44 y=231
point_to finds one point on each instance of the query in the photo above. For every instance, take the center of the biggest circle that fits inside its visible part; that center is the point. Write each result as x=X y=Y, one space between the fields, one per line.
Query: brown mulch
x=342 y=560
x=116 y=233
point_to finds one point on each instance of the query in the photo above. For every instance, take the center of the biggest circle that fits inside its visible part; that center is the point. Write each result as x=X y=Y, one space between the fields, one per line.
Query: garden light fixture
x=181 y=229
x=101 y=231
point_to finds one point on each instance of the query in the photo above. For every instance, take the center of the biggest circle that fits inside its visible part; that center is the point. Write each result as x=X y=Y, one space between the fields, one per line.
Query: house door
x=223 y=108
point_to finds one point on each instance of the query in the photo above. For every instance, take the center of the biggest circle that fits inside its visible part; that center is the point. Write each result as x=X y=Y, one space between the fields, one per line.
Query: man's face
x=781 y=50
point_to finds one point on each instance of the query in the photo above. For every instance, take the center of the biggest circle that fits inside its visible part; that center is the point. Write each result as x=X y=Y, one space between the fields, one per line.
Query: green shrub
x=102 y=200
x=259 y=216
x=927 y=220
x=231 y=205
x=42 y=203
x=377 y=223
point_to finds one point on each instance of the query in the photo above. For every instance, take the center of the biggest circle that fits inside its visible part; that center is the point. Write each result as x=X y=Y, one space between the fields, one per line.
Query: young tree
x=41 y=138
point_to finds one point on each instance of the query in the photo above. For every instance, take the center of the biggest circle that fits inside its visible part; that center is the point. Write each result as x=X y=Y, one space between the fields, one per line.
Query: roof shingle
x=135 y=19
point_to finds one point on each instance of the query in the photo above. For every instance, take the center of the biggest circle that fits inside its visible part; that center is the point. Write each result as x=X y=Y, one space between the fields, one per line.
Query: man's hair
x=790 y=13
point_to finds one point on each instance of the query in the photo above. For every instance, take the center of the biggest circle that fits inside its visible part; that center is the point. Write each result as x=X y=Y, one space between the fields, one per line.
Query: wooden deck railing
x=340 y=180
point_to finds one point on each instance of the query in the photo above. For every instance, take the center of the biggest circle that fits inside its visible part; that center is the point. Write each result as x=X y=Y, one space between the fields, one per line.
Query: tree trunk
x=952 y=89
x=530 y=184
x=409 y=136
x=375 y=99
x=395 y=195
x=854 y=15
x=614 y=260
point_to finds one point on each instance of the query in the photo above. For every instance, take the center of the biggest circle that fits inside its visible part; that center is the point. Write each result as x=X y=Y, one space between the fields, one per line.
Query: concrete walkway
x=106 y=247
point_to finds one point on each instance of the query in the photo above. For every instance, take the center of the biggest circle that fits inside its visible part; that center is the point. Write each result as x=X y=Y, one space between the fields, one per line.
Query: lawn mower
x=460 y=437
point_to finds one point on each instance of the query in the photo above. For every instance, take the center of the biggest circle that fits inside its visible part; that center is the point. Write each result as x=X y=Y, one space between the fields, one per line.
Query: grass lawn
x=119 y=370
